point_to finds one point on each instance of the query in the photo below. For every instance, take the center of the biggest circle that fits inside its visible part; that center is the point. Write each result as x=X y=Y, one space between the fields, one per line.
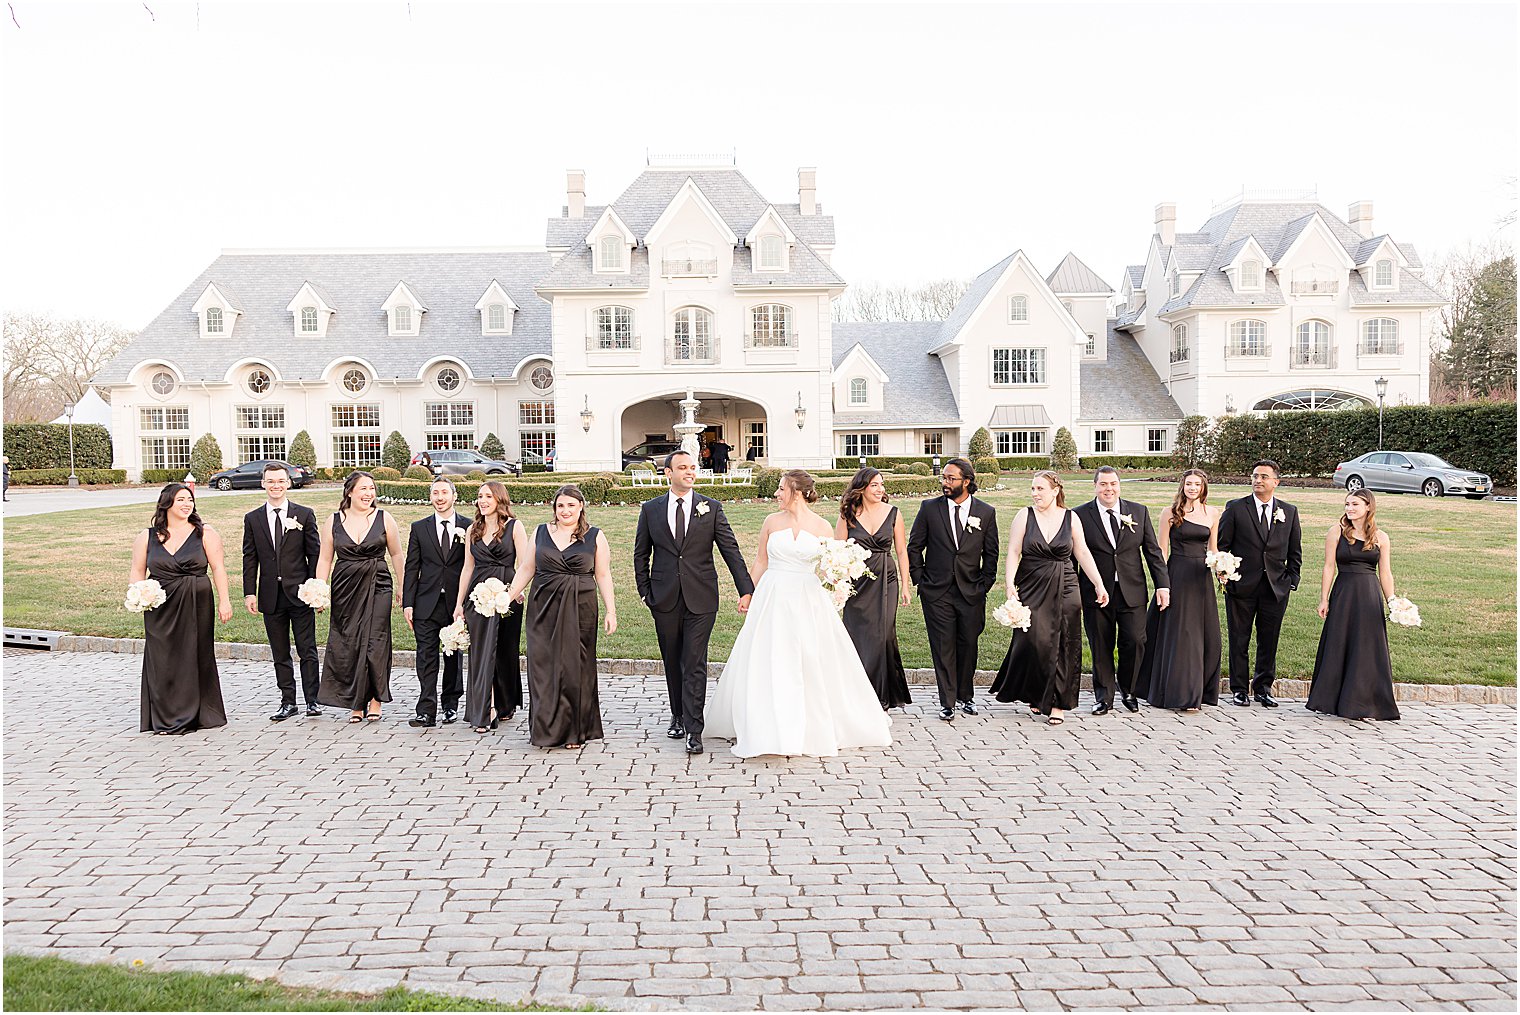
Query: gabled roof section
x=610 y=216
x=690 y=192
x=857 y=358
x=1124 y=386
x=403 y=296
x=775 y=221
x=1073 y=278
x=805 y=270
x=919 y=393
x=1244 y=249
x=1136 y=275
x=1298 y=232
x=576 y=270
x=311 y=293
x=1412 y=291
x=1369 y=249
x=215 y=296
x=990 y=281
x=496 y=294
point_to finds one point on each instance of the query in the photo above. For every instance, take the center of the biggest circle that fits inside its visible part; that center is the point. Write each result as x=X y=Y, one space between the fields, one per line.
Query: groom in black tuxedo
x=673 y=568
x=1264 y=533
x=429 y=587
x=953 y=559
x=280 y=549
x=1118 y=534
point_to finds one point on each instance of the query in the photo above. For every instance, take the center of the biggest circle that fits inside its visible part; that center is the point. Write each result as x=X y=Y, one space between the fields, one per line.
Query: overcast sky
x=140 y=140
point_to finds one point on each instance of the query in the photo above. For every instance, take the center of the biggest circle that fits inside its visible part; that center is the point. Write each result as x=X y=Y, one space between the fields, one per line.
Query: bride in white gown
x=793 y=683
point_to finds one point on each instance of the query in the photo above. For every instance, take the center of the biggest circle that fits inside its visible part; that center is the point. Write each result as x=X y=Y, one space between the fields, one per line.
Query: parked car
x=251 y=475
x=459 y=463
x=1411 y=472
x=534 y=458
x=653 y=452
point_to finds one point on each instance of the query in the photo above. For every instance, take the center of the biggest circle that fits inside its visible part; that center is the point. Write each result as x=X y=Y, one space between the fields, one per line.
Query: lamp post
x=68 y=410
x=1382 y=391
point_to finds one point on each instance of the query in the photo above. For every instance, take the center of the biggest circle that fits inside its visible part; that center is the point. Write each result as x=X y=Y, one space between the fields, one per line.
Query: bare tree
x=1472 y=354
x=49 y=362
x=871 y=301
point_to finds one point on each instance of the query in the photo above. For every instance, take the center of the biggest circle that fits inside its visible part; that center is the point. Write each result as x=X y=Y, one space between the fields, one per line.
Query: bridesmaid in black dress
x=870 y=614
x=356 y=669
x=1044 y=664
x=1180 y=667
x=181 y=691
x=568 y=563
x=1353 y=675
x=494 y=544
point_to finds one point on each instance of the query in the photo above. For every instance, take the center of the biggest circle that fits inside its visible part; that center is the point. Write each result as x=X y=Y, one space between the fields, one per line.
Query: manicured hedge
x=1091 y=462
x=164 y=475
x=58 y=477
x=407 y=492
x=46 y=446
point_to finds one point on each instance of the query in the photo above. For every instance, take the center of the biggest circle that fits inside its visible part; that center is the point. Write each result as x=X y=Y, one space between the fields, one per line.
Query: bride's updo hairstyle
x=800 y=482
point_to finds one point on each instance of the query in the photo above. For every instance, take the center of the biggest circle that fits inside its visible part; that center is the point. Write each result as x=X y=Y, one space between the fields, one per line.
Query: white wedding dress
x=793 y=683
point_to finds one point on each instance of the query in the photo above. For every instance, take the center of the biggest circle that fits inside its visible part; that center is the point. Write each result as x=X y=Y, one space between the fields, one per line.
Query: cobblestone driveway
x=1240 y=858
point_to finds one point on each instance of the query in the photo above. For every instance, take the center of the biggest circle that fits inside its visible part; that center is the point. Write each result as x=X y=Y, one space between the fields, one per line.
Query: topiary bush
x=767 y=482
x=302 y=451
x=397 y=453
x=476 y=476
x=981 y=445
x=920 y=469
x=1063 y=451
x=155 y=477
x=987 y=470
x=492 y=447
x=419 y=472
x=385 y=472
x=205 y=458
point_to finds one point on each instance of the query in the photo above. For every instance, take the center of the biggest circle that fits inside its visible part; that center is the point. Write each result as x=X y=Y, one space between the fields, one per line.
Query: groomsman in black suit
x=1264 y=533
x=280 y=549
x=434 y=561
x=1118 y=534
x=953 y=559
x=673 y=569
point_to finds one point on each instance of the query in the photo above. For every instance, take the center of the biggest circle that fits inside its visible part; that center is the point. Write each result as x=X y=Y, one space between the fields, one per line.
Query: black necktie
x=680 y=520
x=278 y=525
x=960 y=529
x=1113 y=524
x=1264 y=519
x=443 y=537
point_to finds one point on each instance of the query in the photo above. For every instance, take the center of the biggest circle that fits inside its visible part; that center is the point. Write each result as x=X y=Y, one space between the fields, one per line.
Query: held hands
x=1163 y=598
x=744 y=604
x=252 y=602
x=407 y=613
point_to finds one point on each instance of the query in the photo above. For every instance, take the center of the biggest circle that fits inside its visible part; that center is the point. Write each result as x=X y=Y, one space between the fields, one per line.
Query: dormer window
x=213 y=320
x=610 y=254
x=401 y=320
x=858 y=394
x=405 y=310
x=496 y=317
x=308 y=320
x=1382 y=274
x=216 y=312
x=772 y=253
x=1018 y=309
x=496 y=309
x=311 y=310
x=1176 y=284
x=1250 y=275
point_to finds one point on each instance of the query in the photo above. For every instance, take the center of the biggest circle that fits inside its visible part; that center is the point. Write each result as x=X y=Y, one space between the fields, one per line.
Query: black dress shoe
x=1132 y=703
x=313 y=711
x=677 y=729
x=968 y=707
x=1102 y=708
x=422 y=722
x=1266 y=700
x=693 y=744
x=285 y=712
x=1242 y=699
x=450 y=715
x=947 y=714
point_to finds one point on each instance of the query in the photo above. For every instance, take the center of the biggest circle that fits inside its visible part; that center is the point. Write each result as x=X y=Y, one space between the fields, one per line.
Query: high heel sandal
x=371 y=716
x=355 y=717
x=488 y=727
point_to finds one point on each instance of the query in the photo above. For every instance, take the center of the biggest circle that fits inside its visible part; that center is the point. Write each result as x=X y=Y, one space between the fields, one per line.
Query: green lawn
x=1455 y=558
x=52 y=984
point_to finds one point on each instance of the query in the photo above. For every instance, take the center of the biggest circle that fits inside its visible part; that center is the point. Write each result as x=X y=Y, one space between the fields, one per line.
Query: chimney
x=575 y=192
x=1166 y=223
x=1359 y=217
x=807 y=190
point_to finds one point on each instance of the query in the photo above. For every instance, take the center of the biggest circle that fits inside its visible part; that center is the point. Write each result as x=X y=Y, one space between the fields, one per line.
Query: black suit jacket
x=1135 y=542
x=430 y=575
x=1276 y=561
x=661 y=569
x=934 y=562
x=291 y=562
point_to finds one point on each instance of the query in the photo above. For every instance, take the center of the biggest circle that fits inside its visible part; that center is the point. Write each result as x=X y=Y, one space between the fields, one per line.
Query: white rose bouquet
x=840 y=564
x=1403 y=612
x=1013 y=613
x=316 y=593
x=454 y=638
x=491 y=598
x=1226 y=566
x=145 y=595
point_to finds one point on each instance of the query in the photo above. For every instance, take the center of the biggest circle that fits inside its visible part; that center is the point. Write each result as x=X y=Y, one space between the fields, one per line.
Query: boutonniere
x=1128 y=521
x=702 y=507
x=973 y=523
x=290 y=523
x=1278 y=516
x=459 y=534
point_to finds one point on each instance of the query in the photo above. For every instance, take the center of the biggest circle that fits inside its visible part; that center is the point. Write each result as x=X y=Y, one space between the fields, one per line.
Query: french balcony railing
x=691 y=352
x=1312 y=358
x=617 y=343
x=1316 y=287
x=1390 y=348
x=1181 y=354
x=771 y=340
x=670 y=268
x=1248 y=350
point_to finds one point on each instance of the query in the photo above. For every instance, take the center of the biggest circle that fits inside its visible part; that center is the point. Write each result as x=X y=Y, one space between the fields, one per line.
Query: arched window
x=401 y=317
x=542 y=378
x=1382 y=274
x=692 y=336
x=355 y=380
x=1018 y=309
x=1181 y=353
x=858 y=391
x=309 y=320
x=1380 y=337
x=259 y=382
x=448 y=379
x=611 y=250
x=496 y=317
x=771 y=326
x=1247 y=339
x=1312 y=398
x=1311 y=346
x=213 y=320
x=689 y=258
x=1250 y=275
x=614 y=328
x=162 y=383
x=772 y=252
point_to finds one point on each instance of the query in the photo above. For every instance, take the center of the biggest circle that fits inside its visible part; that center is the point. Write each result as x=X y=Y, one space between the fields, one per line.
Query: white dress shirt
x=670 y=510
x=443 y=526
x=1103 y=513
x=276 y=527
x=964 y=510
x=1256 y=503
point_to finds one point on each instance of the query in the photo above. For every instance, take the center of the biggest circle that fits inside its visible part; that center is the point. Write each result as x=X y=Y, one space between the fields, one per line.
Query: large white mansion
x=691 y=280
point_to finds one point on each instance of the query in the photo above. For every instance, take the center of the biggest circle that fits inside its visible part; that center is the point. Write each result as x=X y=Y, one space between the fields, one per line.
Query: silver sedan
x=1411 y=472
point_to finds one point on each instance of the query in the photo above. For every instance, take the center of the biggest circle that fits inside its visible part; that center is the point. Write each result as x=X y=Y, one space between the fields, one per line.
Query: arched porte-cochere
x=647 y=428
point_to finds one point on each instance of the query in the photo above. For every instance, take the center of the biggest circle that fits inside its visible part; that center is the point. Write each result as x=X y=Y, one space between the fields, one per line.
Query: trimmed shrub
x=418 y=472
x=397 y=453
x=534 y=467
x=1195 y=442
x=492 y=447
x=1023 y=463
x=767 y=482
x=1063 y=451
x=205 y=458
x=596 y=488
x=919 y=469
x=46 y=446
x=475 y=475
x=385 y=472
x=1091 y=462
x=58 y=477
x=987 y=470
x=981 y=445
x=160 y=476
x=302 y=452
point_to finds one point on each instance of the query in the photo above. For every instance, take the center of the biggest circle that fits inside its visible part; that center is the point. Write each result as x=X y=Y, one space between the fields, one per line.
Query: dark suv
x=462 y=463
x=653 y=452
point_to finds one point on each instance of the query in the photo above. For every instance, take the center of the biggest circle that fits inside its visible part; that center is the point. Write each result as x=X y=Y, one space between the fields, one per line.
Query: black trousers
x=293 y=617
x=955 y=623
x=1121 y=625
x=683 y=639
x=428 y=655
x=1265 y=612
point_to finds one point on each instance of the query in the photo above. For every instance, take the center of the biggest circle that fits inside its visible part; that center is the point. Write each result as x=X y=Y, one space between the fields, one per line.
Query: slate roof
x=917 y=392
x=1412 y=289
x=804 y=269
x=574 y=271
x=354 y=285
x=972 y=298
x=1136 y=275
x=1125 y=385
x=1072 y=277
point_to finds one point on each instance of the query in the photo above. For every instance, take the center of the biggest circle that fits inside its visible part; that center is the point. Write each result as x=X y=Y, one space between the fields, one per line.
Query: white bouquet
x=840 y=564
x=1013 y=613
x=454 y=638
x=491 y=598
x=144 y=595
x=1226 y=566
x=316 y=593
x=1403 y=612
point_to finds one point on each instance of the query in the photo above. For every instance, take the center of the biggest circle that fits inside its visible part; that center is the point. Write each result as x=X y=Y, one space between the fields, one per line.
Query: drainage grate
x=26 y=638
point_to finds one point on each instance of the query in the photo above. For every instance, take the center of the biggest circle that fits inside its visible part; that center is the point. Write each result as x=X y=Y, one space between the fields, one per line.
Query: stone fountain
x=688 y=428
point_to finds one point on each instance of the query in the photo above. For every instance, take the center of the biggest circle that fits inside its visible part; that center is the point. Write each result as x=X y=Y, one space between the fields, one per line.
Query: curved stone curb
x=1464 y=694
